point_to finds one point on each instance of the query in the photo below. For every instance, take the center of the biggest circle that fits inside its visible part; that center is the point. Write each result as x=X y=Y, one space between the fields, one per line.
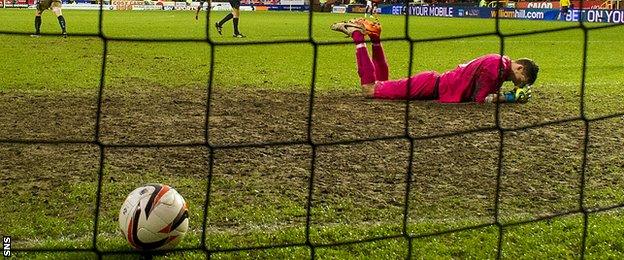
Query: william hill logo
x=504 y=14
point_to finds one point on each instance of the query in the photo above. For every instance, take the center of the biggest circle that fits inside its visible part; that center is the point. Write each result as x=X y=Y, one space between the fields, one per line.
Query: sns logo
x=6 y=245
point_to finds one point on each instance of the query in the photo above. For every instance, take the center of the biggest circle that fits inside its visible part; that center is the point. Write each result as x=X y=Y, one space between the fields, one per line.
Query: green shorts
x=47 y=4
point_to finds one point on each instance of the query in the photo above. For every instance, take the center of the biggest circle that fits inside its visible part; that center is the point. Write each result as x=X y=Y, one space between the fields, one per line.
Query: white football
x=154 y=217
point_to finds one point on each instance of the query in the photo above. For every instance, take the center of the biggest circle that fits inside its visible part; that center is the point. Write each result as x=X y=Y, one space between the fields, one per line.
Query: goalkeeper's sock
x=379 y=60
x=357 y=37
x=375 y=38
x=225 y=19
x=37 y=24
x=235 y=22
x=61 y=20
x=366 y=69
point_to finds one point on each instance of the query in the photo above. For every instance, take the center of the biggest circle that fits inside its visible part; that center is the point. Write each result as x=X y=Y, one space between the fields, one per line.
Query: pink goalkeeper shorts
x=422 y=87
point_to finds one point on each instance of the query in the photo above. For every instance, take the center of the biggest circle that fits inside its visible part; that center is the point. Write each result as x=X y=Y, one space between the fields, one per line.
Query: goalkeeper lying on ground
x=478 y=80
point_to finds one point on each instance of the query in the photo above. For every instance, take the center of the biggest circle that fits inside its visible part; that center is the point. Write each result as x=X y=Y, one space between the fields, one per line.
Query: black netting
x=581 y=209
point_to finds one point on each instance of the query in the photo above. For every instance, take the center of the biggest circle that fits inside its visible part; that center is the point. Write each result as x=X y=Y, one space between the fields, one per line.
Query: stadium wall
x=281 y=5
x=167 y=6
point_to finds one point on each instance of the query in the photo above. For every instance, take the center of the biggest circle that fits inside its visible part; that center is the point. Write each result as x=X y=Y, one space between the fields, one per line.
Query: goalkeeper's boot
x=348 y=27
x=373 y=29
x=370 y=28
x=64 y=34
x=219 y=28
x=239 y=35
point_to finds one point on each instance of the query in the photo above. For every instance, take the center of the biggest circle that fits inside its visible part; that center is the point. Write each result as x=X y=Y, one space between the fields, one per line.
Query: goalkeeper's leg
x=365 y=67
x=421 y=86
x=379 y=57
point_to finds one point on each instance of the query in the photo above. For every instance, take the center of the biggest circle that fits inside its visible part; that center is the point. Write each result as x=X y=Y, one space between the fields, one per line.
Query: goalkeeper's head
x=524 y=72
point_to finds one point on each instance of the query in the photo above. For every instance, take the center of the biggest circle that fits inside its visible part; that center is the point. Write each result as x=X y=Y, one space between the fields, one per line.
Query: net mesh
x=314 y=146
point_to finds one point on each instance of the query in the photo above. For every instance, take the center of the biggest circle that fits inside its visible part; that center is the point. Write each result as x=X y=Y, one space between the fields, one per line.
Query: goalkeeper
x=475 y=81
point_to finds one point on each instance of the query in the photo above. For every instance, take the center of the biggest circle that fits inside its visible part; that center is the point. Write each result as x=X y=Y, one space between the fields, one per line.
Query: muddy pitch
x=362 y=155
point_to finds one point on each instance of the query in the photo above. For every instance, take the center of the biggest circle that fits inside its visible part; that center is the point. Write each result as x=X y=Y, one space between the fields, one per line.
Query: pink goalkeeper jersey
x=474 y=80
x=471 y=81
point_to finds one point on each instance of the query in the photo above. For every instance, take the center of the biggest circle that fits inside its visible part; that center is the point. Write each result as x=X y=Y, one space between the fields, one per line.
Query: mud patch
x=452 y=177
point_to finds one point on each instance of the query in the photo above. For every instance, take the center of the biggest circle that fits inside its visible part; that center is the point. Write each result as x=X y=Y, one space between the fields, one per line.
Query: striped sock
x=366 y=69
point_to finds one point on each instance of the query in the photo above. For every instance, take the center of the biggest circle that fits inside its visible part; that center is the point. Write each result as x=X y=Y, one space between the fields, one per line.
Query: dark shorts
x=235 y=4
x=47 y=4
x=564 y=9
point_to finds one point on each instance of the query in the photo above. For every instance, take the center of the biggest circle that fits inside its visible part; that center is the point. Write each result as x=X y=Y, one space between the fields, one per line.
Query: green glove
x=523 y=94
x=518 y=95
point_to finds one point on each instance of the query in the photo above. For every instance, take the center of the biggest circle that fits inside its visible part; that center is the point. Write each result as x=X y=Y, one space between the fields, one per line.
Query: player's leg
x=379 y=59
x=236 y=13
x=219 y=25
x=201 y=4
x=41 y=6
x=374 y=11
x=365 y=67
x=421 y=86
x=564 y=12
x=56 y=8
x=229 y=16
x=37 y=24
x=373 y=29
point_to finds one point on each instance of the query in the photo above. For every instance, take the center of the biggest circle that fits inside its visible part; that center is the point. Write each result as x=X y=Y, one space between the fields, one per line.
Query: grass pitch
x=155 y=92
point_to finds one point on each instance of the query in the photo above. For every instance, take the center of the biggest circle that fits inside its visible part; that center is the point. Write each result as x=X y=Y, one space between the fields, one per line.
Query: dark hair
x=530 y=69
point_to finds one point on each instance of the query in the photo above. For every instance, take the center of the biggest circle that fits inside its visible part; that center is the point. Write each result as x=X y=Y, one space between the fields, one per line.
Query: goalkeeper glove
x=518 y=95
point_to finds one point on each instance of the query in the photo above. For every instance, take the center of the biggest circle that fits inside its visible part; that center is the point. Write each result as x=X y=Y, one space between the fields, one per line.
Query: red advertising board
x=17 y=2
x=591 y=4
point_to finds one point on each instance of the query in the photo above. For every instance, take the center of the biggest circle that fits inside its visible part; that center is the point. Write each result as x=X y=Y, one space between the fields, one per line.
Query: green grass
x=286 y=66
x=51 y=204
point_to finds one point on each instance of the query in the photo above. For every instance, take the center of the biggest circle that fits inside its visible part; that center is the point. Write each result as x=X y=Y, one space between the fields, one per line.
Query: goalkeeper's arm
x=500 y=98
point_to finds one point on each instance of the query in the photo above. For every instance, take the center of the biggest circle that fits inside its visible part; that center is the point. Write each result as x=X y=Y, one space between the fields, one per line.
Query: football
x=154 y=217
